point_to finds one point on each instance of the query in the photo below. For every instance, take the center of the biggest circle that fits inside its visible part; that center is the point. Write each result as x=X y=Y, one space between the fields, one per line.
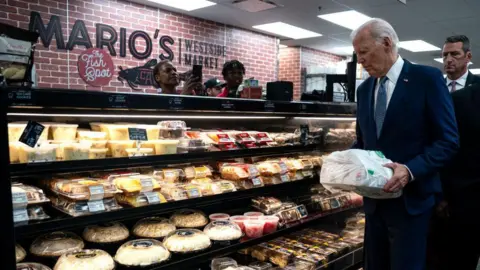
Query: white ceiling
x=429 y=20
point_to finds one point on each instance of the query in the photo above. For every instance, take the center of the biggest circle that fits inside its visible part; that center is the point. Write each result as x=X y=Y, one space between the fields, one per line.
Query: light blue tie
x=381 y=105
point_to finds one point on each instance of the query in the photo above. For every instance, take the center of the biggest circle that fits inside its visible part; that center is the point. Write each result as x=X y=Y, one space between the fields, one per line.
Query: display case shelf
x=67 y=222
x=40 y=99
x=28 y=169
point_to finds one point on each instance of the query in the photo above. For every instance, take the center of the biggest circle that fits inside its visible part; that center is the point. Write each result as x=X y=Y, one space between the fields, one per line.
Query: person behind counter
x=167 y=79
x=213 y=87
x=233 y=72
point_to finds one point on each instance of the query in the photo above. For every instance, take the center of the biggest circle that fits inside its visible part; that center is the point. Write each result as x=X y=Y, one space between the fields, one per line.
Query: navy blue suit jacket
x=419 y=131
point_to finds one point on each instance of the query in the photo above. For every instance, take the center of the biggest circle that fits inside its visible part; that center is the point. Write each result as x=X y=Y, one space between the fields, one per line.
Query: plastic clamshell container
x=81 y=208
x=15 y=130
x=75 y=151
x=34 y=195
x=223 y=230
x=219 y=216
x=106 y=233
x=142 y=253
x=83 y=188
x=119 y=148
x=86 y=259
x=223 y=263
x=271 y=224
x=139 y=152
x=63 y=132
x=20 y=253
x=187 y=218
x=153 y=227
x=95 y=144
x=172 y=129
x=43 y=153
x=170 y=175
x=187 y=241
x=140 y=199
x=254 y=227
x=14 y=148
x=253 y=214
x=240 y=220
x=56 y=244
x=134 y=184
x=166 y=147
x=116 y=132
x=32 y=266
x=91 y=135
x=97 y=153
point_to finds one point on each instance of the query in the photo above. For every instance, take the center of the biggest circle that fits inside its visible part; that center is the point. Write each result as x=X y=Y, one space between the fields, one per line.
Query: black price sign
x=176 y=103
x=31 y=133
x=269 y=106
x=21 y=97
x=137 y=134
x=304 y=130
x=118 y=101
x=228 y=105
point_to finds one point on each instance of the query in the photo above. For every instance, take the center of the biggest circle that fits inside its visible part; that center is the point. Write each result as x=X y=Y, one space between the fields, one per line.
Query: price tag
x=302 y=210
x=152 y=197
x=20 y=215
x=283 y=167
x=263 y=137
x=226 y=187
x=21 y=97
x=253 y=171
x=193 y=193
x=307 y=174
x=19 y=198
x=96 y=206
x=227 y=105
x=118 y=101
x=176 y=103
x=96 y=192
x=147 y=184
x=269 y=106
x=31 y=133
x=224 y=138
x=285 y=178
x=245 y=137
x=137 y=134
x=257 y=181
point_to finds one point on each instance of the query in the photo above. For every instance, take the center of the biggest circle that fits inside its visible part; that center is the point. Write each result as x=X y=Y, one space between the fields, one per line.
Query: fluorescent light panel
x=283 y=46
x=286 y=30
x=187 y=5
x=349 y=19
x=418 y=46
x=144 y=116
x=440 y=60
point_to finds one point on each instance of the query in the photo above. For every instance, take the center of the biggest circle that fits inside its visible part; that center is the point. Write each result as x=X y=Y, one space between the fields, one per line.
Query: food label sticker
x=96 y=206
x=147 y=184
x=307 y=174
x=283 y=167
x=193 y=193
x=200 y=172
x=253 y=171
x=20 y=215
x=31 y=133
x=118 y=101
x=152 y=197
x=96 y=192
x=263 y=137
x=226 y=187
x=245 y=136
x=19 y=198
x=284 y=178
x=224 y=138
x=257 y=181
x=137 y=134
x=302 y=210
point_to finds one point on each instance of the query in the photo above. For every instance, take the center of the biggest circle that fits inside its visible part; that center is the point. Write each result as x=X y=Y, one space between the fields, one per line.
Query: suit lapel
x=395 y=105
x=371 y=103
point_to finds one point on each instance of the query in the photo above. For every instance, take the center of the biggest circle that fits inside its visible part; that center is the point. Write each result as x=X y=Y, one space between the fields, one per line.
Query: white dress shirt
x=461 y=82
x=393 y=74
x=390 y=84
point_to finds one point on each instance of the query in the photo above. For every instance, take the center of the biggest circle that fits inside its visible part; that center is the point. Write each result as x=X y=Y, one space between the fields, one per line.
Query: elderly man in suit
x=405 y=111
x=456 y=58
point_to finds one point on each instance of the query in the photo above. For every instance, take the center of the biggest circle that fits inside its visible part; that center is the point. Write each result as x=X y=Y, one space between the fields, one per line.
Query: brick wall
x=58 y=68
x=289 y=68
x=293 y=62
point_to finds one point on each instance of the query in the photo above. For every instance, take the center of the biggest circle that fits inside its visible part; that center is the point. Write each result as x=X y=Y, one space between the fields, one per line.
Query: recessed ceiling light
x=440 y=60
x=187 y=5
x=475 y=71
x=283 y=46
x=286 y=30
x=418 y=46
x=349 y=19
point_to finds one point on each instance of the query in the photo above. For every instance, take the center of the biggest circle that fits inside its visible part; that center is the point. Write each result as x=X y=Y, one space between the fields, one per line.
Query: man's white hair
x=379 y=29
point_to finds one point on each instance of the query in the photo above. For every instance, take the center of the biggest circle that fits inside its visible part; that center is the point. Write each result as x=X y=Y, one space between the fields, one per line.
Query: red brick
x=15 y=3
x=49 y=79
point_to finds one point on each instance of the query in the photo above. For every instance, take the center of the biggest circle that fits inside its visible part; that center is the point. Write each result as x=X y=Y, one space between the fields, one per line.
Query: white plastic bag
x=360 y=171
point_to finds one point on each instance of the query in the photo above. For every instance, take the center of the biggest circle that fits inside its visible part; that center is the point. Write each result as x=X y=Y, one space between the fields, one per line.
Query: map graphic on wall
x=138 y=75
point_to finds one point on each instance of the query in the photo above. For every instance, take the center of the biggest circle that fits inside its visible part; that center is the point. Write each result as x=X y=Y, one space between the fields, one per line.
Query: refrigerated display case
x=198 y=164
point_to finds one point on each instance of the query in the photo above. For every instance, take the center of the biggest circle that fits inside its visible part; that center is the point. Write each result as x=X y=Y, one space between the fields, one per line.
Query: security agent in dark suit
x=405 y=111
x=456 y=58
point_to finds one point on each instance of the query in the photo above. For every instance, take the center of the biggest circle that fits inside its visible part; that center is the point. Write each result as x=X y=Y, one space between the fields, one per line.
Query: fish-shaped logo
x=139 y=75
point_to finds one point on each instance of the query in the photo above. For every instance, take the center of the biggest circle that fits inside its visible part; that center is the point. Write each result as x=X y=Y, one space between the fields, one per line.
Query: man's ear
x=469 y=55
x=387 y=42
x=157 y=78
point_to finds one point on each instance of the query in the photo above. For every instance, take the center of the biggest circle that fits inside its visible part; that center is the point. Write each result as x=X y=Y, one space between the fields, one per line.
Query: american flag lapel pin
x=405 y=80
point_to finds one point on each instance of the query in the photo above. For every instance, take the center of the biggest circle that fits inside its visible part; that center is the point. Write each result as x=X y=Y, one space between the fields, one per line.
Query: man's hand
x=400 y=178
x=190 y=85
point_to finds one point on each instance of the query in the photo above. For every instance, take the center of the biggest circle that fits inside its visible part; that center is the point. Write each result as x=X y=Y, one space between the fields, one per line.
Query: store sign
x=95 y=67
x=116 y=43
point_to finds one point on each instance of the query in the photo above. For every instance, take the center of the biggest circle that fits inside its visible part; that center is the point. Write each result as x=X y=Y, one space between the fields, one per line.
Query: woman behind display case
x=167 y=78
